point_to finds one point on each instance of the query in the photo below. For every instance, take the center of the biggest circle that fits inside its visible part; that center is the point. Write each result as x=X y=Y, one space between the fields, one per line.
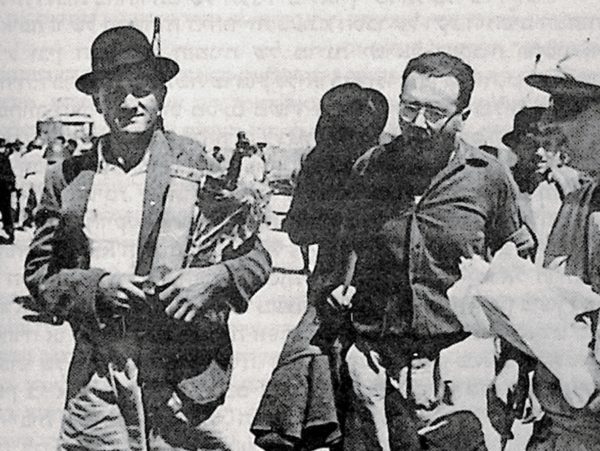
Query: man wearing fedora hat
x=420 y=203
x=568 y=134
x=521 y=140
x=541 y=175
x=141 y=377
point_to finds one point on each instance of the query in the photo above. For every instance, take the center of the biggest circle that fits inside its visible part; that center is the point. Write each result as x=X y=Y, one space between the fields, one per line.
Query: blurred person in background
x=235 y=162
x=32 y=166
x=7 y=187
x=217 y=154
x=303 y=406
x=539 y=194
x=15 y=157
x=252 y=167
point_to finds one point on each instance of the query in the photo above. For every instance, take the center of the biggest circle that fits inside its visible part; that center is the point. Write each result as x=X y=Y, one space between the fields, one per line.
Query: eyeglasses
x=432 y=115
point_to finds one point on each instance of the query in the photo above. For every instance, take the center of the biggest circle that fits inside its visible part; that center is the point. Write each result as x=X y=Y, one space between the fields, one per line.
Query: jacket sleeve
x=248 y=273
x=65 y=293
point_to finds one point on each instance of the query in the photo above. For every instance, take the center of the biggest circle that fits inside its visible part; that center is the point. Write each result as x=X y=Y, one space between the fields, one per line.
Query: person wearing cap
x=420 y=203
x=569 y=133
x=539 y=189
x=16 y=160
x=241 y=149
x=142 y=376
x=299 y=409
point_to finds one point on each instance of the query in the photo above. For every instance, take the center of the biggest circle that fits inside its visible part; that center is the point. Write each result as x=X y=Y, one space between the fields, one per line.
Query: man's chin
x=132 y=131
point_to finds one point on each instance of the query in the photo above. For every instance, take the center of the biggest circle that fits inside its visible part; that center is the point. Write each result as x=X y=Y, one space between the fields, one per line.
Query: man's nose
x=129 y=101
x=419 y=120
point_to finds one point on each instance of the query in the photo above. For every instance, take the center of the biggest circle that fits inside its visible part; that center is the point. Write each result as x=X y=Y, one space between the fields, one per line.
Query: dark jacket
x=196 y=357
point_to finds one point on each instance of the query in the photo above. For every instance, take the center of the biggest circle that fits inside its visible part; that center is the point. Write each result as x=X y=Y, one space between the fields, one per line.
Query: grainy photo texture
x=295 y=225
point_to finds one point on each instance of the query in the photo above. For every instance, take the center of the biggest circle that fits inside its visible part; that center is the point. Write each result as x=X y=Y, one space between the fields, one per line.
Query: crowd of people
x=364 y=369
x=22 y=178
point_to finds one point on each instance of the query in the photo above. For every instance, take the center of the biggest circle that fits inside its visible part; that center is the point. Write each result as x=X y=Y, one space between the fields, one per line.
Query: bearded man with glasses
x=420 y=203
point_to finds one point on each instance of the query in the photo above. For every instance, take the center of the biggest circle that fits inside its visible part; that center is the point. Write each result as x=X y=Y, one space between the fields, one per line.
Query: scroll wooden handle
x=177 y=219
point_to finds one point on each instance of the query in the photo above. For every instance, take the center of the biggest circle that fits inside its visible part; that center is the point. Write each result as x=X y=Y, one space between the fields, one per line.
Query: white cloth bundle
x=534 y=309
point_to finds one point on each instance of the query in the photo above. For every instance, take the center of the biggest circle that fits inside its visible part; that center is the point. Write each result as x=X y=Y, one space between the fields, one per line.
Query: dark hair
x=442 y=64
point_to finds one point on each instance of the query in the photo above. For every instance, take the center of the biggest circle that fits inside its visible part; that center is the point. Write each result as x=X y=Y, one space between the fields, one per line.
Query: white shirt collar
x=104 y=165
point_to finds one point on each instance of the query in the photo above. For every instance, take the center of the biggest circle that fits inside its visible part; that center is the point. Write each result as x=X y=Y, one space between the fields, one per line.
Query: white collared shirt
x=113 y=217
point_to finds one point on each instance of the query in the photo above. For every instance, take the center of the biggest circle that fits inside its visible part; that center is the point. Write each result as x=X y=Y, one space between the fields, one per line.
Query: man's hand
x=567 y=178
x=341 y=297
x=193 y=290
x=119 y=290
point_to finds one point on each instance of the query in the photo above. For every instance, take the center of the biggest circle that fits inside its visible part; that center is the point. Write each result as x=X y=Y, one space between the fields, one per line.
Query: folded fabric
x=298 y=407
x=537 y=310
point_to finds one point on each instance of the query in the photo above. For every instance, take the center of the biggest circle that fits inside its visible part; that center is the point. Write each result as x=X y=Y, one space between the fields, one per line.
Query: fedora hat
x=577 y=74
x=119 y=48
x=355 y=107
x=523 y=122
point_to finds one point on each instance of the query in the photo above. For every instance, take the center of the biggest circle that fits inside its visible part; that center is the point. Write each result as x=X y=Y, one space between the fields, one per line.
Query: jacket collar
x=161 y=157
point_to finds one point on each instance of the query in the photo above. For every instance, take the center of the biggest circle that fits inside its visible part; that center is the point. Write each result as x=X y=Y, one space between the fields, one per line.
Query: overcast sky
x=262 y=65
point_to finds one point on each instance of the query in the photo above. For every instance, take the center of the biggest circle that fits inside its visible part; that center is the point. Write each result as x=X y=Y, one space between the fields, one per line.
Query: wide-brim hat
x=524 y=121
x=577 y=74
x=355 y=107
x=118 y=49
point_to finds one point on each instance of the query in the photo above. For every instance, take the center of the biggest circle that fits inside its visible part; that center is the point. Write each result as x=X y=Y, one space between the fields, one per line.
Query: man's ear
x=162 y=93
x=459 y=121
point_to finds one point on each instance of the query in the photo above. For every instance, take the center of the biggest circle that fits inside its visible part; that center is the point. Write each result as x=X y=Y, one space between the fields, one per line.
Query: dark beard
x=420 y=158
